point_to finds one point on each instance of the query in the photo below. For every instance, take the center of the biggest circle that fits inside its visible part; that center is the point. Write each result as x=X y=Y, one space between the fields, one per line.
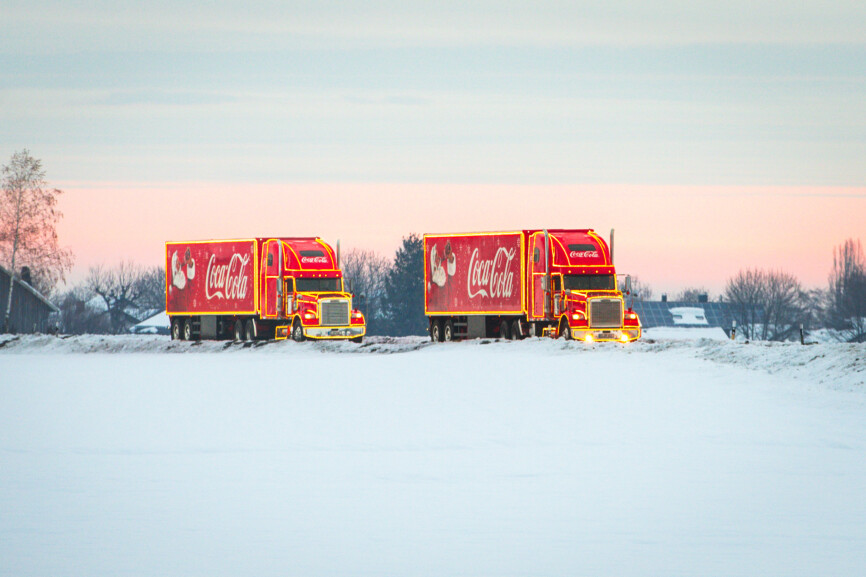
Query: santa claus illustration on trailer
x=443 y=265
x=182 y=269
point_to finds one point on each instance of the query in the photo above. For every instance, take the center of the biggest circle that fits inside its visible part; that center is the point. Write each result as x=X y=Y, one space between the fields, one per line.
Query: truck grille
x=335 y=313
x=605 y=313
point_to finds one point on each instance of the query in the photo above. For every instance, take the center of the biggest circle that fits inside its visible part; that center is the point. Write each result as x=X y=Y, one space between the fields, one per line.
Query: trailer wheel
x=504 y=333
x=297 y=331
x=176 y=330
x=436 y=331
x=239 y=330
x=448 y=331
x=187 y=329
x=252 y=331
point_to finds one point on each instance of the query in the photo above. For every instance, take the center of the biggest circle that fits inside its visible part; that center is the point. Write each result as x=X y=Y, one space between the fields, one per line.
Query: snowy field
x=668 y=457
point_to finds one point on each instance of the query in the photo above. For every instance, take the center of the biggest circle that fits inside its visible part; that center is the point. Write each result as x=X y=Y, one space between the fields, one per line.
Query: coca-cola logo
x=491 y=278
x=227 y=281
x=583 y=254
x=315 y=259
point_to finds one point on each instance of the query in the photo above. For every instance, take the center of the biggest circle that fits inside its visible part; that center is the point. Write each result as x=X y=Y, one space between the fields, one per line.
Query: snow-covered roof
x=33 y=291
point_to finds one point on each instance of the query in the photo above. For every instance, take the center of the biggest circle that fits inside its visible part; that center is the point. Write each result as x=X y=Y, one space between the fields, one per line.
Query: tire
x=516 y=335
x=448 y=331
x=565 y=330
x=504 y=333
x=297 y=331
x=176 y=330
x=251 y=332
x=358 y=340
x=187 y=329
x=436 y=331
x=239 y=330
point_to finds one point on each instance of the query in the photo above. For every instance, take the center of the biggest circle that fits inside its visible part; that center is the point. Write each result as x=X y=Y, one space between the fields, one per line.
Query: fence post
x=734 y=330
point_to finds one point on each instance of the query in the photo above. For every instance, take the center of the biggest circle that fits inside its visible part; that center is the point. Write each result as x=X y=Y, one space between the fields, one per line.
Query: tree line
x=767 y=304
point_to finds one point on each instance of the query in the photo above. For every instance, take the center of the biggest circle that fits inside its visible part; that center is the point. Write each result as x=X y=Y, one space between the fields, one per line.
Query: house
x=31 y=312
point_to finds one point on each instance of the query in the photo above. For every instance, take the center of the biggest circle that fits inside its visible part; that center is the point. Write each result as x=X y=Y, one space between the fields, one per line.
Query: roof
x=33 y=291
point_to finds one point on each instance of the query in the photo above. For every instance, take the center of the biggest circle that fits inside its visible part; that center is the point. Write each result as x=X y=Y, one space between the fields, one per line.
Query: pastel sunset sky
x=713 y=136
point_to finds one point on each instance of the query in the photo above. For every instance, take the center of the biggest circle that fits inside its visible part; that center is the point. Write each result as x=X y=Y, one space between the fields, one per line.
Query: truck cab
x=303 y=293
x=574 y=284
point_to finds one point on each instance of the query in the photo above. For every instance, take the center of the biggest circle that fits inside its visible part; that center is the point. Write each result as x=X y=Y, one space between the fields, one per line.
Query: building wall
x=29 y=313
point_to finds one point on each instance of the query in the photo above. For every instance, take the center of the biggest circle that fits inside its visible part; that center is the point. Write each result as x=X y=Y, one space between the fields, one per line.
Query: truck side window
x=557 y=282
x=290 y=285
x=270 y=259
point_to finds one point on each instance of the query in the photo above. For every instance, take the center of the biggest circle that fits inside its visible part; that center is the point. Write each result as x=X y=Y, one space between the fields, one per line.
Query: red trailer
x=528 y=282
x=258 y=288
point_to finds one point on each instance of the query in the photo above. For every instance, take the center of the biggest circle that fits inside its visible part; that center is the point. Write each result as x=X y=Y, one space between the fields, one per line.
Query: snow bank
x=841 y=366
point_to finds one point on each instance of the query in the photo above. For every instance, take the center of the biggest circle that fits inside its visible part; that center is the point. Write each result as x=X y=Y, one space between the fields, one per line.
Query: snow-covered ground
x=664 y=457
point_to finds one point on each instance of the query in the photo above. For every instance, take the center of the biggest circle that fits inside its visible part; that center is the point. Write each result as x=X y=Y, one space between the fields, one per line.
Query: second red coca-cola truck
x=527 y=282
x=258 y=288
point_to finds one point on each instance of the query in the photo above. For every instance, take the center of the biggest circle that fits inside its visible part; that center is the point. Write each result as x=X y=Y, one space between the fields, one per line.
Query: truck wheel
x=239 y=330
x=565 y=330
x=448 y=331
x=252 y=331
x=504 y=333
x=187 y=329
x=297 y=331
x=176 y=330
x=436 y=331
x=358 y=340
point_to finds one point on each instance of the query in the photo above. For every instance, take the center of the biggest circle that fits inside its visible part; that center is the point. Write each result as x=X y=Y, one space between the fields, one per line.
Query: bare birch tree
x=28 y=226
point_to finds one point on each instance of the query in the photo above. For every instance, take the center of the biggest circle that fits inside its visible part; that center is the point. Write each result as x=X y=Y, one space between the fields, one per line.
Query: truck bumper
x=347 y=332
x=622 y=335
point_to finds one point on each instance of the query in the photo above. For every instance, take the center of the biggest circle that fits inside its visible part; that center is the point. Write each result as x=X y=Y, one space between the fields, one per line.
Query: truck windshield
x=319 y=285
x=589 y=282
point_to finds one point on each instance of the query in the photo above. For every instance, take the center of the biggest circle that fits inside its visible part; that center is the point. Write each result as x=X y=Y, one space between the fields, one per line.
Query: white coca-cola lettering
x=316 y=259
x=227 y=281
x=584 y=254
x=491 y=278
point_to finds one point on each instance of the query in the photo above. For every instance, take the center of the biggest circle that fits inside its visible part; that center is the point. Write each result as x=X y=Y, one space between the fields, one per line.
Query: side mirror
x=628 y=284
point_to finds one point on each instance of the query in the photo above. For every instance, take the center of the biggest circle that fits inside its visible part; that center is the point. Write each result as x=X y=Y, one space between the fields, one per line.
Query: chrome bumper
x=619 y=335
x=349 y=332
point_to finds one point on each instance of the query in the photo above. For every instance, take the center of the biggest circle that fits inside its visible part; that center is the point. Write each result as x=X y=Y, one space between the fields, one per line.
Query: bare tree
x=151 y=289
x=78 y=316
x=119 y=288
x=640 y=291
x=365 y=272
x=28 y=227
x=768 y=305
x=847 y=294
x=745 y=293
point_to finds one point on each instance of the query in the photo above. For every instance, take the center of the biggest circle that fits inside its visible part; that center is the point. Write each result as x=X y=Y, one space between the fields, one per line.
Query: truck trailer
x=247 y=289
x=523 y=283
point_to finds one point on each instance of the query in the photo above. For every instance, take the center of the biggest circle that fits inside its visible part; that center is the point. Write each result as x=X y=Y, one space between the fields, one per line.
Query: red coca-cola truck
x=255 y=288
x=520 y=283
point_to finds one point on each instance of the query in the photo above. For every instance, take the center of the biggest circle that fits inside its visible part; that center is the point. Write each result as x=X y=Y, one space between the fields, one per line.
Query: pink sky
x=670 y=236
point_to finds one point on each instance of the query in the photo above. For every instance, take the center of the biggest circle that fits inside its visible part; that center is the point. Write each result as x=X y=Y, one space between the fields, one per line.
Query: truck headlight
x=309 y=316
x=357 y=315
